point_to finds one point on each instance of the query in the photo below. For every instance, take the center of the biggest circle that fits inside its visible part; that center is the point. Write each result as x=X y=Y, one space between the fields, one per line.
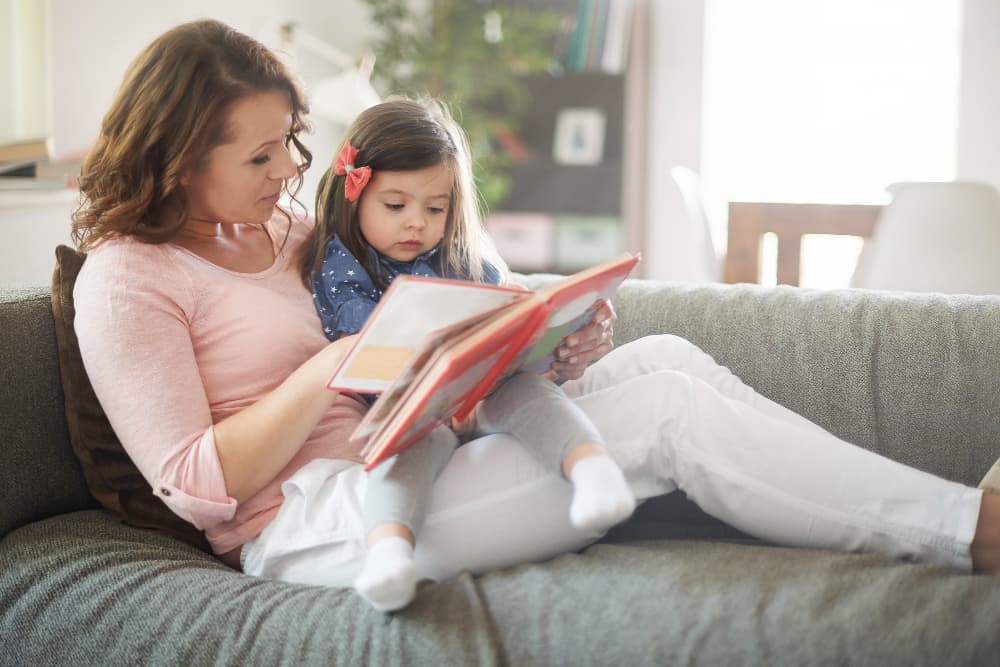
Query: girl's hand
x=465 y=427
x=586 y=345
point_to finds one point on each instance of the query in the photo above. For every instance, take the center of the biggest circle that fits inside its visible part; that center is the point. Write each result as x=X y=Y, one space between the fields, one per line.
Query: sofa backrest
x=39 y=475
x=912 y=376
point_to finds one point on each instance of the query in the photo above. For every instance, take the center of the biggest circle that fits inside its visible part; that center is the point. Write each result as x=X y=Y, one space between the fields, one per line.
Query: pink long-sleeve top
x=174 y=344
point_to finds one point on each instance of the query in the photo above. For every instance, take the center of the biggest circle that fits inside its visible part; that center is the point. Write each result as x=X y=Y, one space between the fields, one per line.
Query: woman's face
x=241 y=181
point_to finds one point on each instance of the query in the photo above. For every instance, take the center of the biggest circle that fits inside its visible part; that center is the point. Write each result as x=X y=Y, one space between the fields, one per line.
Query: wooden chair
x=749 y=221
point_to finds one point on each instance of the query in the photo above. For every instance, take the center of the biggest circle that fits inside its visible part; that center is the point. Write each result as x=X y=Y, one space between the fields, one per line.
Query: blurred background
x=706 y=134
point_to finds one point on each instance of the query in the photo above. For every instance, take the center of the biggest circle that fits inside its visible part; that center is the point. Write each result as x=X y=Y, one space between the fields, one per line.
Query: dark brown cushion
x=110 y=474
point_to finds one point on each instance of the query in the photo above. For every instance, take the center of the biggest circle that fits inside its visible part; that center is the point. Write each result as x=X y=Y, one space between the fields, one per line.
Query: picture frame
x=579 y=136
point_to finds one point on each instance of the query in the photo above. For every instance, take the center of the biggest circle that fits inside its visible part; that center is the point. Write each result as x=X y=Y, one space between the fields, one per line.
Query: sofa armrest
x=39 y=475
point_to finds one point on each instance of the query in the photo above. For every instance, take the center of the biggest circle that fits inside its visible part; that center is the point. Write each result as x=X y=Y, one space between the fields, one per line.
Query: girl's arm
x=344 y=293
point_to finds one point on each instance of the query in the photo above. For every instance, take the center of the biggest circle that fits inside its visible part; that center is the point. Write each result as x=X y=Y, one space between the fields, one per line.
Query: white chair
x=689 y=183
x=935 y=237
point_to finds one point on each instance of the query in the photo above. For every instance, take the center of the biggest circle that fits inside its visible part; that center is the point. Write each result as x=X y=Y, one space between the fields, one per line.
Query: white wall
x=7 y=64
x=674 y=120
x=979 y=110
x=22 y=70
x=84 y=80
x=85 y=77
x=93 y=42
x=675 y=108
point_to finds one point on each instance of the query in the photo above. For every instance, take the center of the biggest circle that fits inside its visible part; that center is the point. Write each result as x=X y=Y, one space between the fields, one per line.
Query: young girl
x=399 y=198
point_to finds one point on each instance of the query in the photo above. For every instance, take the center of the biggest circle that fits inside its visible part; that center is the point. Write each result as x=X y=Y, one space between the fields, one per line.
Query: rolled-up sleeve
x=193 y=486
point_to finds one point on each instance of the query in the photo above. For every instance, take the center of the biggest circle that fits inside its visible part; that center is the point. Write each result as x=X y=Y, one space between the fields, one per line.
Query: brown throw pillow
x=110 y=474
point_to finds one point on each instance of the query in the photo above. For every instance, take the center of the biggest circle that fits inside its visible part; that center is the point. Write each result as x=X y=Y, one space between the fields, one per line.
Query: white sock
x=601 y=497
x=388 y=579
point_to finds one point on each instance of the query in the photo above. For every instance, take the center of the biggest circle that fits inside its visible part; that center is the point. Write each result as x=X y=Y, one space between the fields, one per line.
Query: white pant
x=672 y=418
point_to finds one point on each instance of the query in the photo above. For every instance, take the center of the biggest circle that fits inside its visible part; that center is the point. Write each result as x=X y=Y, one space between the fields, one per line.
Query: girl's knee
x=529 y=384
x=515 y=392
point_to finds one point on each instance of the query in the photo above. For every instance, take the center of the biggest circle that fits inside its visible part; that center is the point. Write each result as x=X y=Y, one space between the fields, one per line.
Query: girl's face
x=403 y=213
x=241 y=181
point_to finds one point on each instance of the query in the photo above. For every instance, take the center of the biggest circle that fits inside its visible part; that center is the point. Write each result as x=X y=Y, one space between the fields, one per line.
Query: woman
x=204 y=348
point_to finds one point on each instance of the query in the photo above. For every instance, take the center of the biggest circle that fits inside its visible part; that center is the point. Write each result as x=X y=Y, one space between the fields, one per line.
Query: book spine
x=576 y=58
x=537 y=317
x=598 y=33
x=616 y=43
x=372 y=459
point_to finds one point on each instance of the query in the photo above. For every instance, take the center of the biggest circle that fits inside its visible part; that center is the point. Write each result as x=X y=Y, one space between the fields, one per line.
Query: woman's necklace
x=203 y=228
x=232 y=246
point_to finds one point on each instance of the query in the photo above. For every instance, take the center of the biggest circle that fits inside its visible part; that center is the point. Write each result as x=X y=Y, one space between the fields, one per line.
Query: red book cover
x=451 y=368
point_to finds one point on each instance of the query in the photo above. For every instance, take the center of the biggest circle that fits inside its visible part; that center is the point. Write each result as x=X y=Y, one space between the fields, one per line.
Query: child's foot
x=388 y=579
x=601 y=497
x=991 y=481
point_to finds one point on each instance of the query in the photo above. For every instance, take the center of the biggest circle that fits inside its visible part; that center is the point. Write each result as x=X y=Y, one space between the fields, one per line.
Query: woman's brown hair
x=401 y=135
x=170 y=111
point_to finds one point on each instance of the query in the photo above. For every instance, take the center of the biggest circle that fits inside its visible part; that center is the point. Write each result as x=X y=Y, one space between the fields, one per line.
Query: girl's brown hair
x=401 y=135
x=170 y=111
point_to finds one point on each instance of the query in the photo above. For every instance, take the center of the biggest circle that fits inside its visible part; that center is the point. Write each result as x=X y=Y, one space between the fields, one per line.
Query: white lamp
x=341 y=97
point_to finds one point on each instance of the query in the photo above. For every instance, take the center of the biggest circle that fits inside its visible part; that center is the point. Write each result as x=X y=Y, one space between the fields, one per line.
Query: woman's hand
x=586 y=345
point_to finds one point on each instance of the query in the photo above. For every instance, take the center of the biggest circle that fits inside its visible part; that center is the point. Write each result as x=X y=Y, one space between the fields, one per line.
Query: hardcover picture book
x=434 y=347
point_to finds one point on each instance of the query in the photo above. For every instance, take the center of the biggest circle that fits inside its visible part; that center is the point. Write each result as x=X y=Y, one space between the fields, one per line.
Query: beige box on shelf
x=583 y=240
x=524 y=240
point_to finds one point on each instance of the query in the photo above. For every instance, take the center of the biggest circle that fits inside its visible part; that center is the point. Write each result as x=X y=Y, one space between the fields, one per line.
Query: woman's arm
x=264 y=363
x=255 y=444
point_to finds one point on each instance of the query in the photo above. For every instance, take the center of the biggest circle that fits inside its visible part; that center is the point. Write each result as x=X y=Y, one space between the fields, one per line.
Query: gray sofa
x=914 y=377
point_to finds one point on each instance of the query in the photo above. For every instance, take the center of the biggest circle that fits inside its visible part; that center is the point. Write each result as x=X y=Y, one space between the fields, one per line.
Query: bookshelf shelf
x=561 y=214
x=579 y=206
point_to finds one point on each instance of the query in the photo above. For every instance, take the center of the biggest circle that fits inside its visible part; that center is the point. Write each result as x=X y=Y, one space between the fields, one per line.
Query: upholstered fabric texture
x=39 y=476
x=110 y=474
x=126 y=597
x=913 y=376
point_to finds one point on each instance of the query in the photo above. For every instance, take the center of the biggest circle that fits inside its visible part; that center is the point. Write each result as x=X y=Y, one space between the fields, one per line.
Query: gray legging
x=528 y=406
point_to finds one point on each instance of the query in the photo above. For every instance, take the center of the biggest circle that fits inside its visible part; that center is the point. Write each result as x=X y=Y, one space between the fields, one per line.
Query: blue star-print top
x=345 y=295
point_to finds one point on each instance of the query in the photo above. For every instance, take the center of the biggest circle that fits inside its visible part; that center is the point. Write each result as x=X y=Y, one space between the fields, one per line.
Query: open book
x=434 y=347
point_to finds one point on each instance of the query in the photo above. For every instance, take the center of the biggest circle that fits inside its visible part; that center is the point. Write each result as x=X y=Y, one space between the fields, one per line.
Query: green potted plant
x=474 y=55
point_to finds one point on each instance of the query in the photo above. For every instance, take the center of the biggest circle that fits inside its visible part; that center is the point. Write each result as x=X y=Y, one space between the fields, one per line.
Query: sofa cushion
x=82 y=589
x=110 y=474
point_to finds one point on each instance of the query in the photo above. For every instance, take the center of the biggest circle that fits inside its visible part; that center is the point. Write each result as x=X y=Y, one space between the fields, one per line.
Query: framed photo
x=579 y=137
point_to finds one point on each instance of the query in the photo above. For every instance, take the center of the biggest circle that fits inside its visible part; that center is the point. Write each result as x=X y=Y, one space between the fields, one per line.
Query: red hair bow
x=357 y=177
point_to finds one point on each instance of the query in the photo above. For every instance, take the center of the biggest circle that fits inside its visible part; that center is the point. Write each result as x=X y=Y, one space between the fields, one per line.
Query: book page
x=378 y=362
x=410 y=309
